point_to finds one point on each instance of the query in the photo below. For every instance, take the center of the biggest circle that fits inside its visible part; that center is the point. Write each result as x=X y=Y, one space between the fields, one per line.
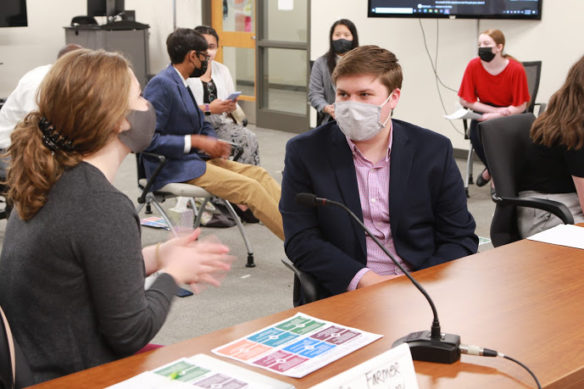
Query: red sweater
x=506 y=88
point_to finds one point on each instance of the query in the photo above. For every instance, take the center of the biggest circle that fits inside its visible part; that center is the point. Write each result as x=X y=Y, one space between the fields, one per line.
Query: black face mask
x=486 y=54
x=198 y=72
x=341 y=46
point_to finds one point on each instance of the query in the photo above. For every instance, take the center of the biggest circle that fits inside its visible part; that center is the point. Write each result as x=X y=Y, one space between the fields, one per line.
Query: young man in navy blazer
x=399 y=179
x=194 y=154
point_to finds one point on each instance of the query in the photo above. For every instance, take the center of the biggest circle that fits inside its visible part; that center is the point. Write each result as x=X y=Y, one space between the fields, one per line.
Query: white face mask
x=360 y=121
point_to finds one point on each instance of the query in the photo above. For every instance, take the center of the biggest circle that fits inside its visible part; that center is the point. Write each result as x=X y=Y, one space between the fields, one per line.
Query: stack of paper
x=463 y=113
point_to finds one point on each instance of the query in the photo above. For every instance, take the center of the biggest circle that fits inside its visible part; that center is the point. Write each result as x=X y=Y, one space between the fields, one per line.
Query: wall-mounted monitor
x=13 y=13
x=469 y=9
x=104 y=7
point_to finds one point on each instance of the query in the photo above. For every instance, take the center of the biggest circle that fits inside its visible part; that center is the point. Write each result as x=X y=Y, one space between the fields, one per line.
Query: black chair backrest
x=505 y=141
x=533 y=73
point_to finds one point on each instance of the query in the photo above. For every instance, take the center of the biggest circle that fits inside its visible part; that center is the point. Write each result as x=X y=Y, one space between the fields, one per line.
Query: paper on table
x=463 y=113
x=296 y=346
x=201 y=371
x=563 y=235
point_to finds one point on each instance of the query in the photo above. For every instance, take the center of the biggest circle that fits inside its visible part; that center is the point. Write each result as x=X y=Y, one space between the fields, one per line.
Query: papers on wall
x=296 y=346
x=463 y=113
x=563 y=235
x=285 y=5
x=201 y=371
x=391 y=370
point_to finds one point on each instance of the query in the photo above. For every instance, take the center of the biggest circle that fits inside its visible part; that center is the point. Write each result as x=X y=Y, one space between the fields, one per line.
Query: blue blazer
x=177 y=115
x=429 y=219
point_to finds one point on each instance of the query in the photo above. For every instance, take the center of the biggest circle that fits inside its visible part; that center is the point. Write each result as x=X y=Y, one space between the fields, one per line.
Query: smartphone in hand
x=233 y=96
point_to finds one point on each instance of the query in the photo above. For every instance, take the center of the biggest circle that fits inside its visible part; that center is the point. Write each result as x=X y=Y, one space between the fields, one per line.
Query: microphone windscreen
x=306 y=199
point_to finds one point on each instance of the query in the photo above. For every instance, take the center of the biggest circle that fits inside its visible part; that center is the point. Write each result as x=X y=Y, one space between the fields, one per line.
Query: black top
x=209 y=93
x=550 y=169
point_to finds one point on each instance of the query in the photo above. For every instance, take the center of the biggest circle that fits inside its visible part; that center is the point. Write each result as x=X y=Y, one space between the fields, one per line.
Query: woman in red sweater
x=493 y=84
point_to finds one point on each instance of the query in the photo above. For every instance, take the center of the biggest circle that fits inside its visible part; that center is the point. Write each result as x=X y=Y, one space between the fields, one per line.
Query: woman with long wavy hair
x=554 y=163
x=72 y=268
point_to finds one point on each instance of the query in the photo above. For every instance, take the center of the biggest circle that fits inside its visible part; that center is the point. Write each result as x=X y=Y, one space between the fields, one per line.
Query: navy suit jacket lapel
x=188 y=103
x=341 y=158
x=401 y=163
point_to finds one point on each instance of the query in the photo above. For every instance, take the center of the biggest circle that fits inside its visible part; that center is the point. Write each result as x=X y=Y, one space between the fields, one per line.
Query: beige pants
x=244 y=184
x=532 y=220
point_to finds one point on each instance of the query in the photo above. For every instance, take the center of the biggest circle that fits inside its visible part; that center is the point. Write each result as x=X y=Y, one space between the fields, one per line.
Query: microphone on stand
x=431 y=346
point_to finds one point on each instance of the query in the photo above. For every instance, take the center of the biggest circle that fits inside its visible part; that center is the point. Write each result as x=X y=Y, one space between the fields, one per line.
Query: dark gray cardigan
x=72 y=278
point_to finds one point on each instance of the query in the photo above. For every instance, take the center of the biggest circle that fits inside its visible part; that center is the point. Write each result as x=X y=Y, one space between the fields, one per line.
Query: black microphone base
x=424 y=348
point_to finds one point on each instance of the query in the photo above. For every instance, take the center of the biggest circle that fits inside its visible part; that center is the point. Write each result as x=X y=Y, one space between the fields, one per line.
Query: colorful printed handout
x=296 y=346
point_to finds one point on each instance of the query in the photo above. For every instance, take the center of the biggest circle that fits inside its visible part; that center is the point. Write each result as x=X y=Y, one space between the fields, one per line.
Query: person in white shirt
x=21 y=101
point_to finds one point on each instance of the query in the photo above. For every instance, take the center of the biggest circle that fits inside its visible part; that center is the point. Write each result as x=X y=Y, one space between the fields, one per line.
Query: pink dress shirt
x=373 y=184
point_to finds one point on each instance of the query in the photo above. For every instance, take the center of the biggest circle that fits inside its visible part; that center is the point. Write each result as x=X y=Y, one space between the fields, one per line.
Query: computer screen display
x=473 y=9
x=104 y=7
x=13 y=13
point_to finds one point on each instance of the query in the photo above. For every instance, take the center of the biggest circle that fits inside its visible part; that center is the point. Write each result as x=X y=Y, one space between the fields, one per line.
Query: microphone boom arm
x=431 y=346
x=436 y=333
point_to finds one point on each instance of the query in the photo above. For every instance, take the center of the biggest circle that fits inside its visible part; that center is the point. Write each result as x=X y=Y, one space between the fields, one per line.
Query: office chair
x=505 y=140
x=306 y=289
x=150 y=198
x=14 y=368
x=533 y=74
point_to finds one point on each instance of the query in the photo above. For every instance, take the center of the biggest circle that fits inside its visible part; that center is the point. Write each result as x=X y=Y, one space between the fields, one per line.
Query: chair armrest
x=150 y=182
x=554 y=207
x=310 y=288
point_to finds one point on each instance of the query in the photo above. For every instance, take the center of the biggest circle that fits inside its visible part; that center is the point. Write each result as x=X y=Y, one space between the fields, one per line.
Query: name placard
x=394 y=369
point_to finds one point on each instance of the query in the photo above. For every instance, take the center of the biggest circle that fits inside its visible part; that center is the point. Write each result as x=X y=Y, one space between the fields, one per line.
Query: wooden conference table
x=525 y=300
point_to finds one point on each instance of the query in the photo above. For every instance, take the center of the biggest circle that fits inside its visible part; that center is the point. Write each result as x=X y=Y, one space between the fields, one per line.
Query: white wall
x=23 y=48
x=556 y=40
x=159 y=15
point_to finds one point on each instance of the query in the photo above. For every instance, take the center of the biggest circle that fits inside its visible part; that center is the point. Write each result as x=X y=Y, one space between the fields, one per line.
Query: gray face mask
x=142 y=126
x=360 y=121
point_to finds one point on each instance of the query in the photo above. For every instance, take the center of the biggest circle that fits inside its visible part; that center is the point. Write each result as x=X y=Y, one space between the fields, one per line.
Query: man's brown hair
x=374 y=60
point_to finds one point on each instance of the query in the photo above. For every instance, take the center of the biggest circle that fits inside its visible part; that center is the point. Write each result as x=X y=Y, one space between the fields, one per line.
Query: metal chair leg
x=199 y=211
x=250 y=259
x=151 y=201
x=468 y=177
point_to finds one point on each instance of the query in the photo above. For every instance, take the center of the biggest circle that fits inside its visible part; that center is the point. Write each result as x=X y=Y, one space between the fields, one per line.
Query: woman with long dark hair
x=321 y=92
x=554 y=163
